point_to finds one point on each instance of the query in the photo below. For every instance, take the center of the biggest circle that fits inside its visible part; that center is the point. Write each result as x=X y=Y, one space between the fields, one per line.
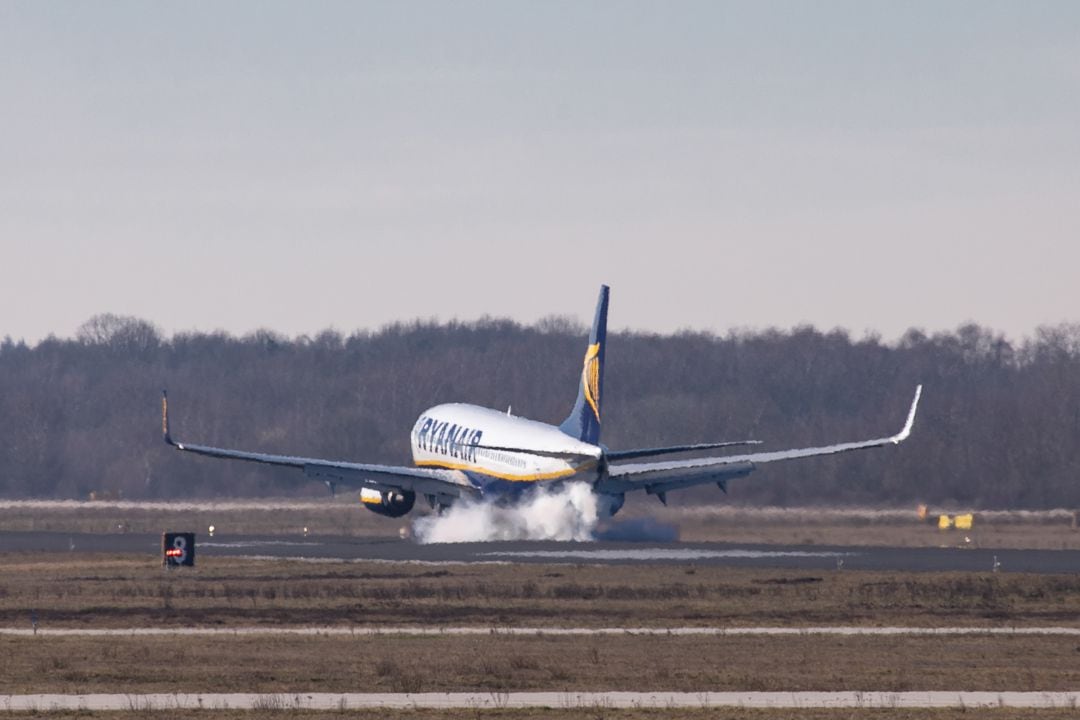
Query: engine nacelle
x=391 y=503
x=607 y=505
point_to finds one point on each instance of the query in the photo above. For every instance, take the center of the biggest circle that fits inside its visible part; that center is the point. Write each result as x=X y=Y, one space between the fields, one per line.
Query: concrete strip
x=445 y=631
x=173 y=506
x=341 y=701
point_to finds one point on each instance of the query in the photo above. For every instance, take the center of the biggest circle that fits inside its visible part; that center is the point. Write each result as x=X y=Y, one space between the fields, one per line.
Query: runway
x=164 y=702
x=345 y=548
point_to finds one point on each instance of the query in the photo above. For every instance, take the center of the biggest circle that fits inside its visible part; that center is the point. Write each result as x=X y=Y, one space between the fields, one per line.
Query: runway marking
x=839 y=630
x=676 y=554
x=178 y=506
x=258 y=543
x=163 y=702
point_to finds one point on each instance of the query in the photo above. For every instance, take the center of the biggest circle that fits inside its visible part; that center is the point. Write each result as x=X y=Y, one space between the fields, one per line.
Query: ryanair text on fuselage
x=446 y=438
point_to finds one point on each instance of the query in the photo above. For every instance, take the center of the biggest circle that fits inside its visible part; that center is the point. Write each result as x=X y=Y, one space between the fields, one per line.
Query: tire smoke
x=566 y=513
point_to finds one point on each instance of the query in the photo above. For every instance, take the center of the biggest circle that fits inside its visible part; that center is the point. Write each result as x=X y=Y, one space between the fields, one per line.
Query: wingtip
x=165 y=434
x=903 y=434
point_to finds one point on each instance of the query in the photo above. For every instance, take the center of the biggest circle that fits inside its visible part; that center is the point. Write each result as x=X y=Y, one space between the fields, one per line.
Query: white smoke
x=564 y=513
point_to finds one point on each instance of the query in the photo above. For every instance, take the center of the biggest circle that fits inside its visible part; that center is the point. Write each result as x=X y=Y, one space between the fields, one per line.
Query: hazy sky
x=297 y=166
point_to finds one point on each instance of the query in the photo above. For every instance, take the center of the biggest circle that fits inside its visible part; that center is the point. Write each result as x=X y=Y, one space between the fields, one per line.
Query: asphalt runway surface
x=345 y=548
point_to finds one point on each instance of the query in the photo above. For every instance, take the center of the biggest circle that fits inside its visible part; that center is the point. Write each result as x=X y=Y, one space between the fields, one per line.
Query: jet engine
x=608 y=504
x=391 y=503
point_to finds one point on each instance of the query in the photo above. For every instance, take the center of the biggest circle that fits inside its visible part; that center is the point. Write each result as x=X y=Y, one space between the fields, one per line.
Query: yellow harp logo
x=590 y=379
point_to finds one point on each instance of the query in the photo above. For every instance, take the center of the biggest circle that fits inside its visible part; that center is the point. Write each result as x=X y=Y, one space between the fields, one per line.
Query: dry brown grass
x=90 y=591
x=276 y=664
x=1037 y=530
x=900 y=534
x=329 y=517
x=96 y=591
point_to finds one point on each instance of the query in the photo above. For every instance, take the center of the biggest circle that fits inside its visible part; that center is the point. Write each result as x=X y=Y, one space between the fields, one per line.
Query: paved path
x=842 y=630
x=341 y=701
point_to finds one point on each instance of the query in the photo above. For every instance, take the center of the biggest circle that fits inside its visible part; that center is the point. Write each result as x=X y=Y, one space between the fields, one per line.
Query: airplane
x=469 y=452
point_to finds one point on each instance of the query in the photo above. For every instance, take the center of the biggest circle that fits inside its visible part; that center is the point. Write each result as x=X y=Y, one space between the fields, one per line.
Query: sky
x=873 y=166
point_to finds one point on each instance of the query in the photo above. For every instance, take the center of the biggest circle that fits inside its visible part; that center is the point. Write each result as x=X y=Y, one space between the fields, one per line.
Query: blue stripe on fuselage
x=498 y=489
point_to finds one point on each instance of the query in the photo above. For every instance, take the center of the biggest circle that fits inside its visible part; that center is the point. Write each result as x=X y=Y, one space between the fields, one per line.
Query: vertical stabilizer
x=584 y=420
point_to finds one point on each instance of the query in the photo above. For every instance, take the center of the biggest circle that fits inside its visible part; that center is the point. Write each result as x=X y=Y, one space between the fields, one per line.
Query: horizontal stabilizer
x=560 y=454
x=614 y=455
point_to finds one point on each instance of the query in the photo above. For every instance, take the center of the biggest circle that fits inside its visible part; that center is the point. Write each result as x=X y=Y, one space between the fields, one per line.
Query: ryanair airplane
x=464 y=451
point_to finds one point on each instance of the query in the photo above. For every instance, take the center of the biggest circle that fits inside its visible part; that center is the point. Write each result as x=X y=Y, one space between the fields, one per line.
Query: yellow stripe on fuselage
x=554 y=475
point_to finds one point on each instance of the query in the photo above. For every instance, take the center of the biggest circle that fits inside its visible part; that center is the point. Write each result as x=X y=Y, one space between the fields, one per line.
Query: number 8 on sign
x=177 y=549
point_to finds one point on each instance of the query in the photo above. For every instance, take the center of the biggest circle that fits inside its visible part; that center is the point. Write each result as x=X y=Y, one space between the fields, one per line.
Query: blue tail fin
x=584 y=420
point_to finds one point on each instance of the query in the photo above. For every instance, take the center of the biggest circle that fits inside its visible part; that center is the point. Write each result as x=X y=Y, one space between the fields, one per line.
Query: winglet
x=903 y=434
x=165 y=419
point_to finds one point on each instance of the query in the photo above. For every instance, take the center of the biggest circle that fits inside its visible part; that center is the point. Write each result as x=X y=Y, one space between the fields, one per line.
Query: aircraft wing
x=377 y=477
x=659 y=477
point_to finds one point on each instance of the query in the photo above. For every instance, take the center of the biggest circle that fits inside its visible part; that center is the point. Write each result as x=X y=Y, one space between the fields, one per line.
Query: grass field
x=125 y=591
x=414 y=664
x=1042 y=530
x=230 y=592
x=98 y=591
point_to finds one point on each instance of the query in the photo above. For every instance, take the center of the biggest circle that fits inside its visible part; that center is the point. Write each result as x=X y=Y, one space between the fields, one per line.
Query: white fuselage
x=491 y=446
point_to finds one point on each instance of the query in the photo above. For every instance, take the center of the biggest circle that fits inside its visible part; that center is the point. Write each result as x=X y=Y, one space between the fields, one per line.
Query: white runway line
x=258 y=543
x=674 y=554
x=445 y=631
x=340 y=701
x=771 y=513
x=179 y=506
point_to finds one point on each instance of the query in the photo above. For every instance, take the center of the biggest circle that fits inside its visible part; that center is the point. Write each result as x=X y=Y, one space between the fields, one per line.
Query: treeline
x=999 y=425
